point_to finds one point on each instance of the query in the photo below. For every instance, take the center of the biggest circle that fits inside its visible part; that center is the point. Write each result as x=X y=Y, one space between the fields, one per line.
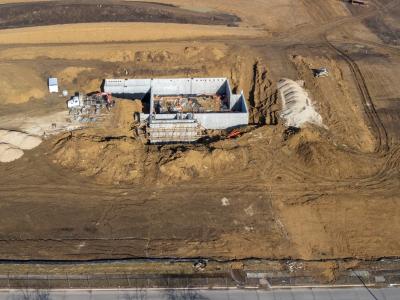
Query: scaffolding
x=173 y=131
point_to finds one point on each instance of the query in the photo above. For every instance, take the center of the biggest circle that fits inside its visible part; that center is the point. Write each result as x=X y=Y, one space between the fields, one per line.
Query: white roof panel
x=53 y=81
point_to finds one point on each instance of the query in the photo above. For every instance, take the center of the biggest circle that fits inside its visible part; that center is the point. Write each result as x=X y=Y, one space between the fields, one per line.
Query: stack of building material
x=173 y=131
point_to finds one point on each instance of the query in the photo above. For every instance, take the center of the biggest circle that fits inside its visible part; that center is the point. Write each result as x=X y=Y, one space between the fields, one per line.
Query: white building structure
x=178 y=107
x=53 y=85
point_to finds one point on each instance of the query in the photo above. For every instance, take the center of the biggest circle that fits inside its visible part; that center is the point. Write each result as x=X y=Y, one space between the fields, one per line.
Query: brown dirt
x=114 y=32
x=100 y=192
x=336 y=101
x=16 y=15
x=386 y=26
x=20 y=84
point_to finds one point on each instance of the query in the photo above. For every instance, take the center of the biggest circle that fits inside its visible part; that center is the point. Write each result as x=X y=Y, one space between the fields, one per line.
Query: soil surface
x=319 y=193
x=15 y=15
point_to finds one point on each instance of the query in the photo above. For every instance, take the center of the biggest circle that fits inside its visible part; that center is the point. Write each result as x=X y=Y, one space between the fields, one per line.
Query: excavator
x=100 y=99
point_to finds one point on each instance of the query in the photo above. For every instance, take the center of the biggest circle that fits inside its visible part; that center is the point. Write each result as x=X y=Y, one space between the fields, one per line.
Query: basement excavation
x=178 y=110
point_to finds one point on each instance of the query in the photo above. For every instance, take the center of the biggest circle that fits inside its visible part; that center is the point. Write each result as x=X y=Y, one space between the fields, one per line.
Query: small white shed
x=53 y=85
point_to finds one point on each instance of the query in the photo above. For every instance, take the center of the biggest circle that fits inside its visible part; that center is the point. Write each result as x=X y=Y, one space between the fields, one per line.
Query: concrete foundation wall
x=240 y=103
x=230 y=95
x=173 y=86
x=127 y=86
x=222 y=120
x=187 y=86
x=210 y=120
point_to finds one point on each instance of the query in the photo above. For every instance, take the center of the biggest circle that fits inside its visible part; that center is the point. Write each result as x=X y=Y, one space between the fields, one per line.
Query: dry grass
x=19 y=1
x=113 y=32
x=113 y=52
x=20 y=83
x=255 y=13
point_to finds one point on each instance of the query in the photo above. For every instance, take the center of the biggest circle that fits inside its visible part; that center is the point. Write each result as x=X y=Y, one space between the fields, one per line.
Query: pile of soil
x=114 y=154
x=19 y=139
x=123 y=159
x=12 y=144
x=9 y=153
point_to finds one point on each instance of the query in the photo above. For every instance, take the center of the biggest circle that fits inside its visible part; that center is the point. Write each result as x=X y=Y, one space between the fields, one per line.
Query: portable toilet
x=53 y=85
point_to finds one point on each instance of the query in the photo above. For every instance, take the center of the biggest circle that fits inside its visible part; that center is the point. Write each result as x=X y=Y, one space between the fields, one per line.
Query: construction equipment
x=320 y=72
x=359 y=2
x=83 y=107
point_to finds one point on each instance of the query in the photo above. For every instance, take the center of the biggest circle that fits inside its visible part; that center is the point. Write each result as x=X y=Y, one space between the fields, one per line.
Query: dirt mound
x=9 y=153
x=115 y=154
x=313 y=153
x=297 y=107
x=123 y=115
x=12 y=144
x=124 y=159
x=110 y=159
x=199 y=164
x=19 y=139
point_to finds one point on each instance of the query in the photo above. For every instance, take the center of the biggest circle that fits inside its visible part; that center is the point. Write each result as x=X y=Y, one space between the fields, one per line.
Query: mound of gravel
x=9 y=153
x=297 y=107
x=19 y=139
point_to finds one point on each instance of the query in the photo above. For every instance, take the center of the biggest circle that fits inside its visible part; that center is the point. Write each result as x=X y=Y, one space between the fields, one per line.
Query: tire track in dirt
x=369 y=107
x=391 y=163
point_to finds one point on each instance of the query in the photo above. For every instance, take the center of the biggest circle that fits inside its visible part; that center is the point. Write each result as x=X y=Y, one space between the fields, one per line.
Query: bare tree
x=37 y=294
x=183 y=294
x=138 y=294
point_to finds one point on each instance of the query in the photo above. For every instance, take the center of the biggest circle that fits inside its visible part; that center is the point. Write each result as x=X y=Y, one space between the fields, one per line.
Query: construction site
x=184 y=130
x=178 y=110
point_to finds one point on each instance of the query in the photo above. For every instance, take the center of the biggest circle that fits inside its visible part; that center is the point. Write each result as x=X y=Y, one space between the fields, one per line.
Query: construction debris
x=191 y=104
x=234 y=134
x=84 y=107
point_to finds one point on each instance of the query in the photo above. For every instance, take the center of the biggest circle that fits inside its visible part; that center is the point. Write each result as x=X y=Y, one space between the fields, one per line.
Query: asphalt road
x=289 y=294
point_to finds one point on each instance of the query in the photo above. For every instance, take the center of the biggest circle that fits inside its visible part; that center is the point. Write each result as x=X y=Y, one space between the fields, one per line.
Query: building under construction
x=179 y=110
